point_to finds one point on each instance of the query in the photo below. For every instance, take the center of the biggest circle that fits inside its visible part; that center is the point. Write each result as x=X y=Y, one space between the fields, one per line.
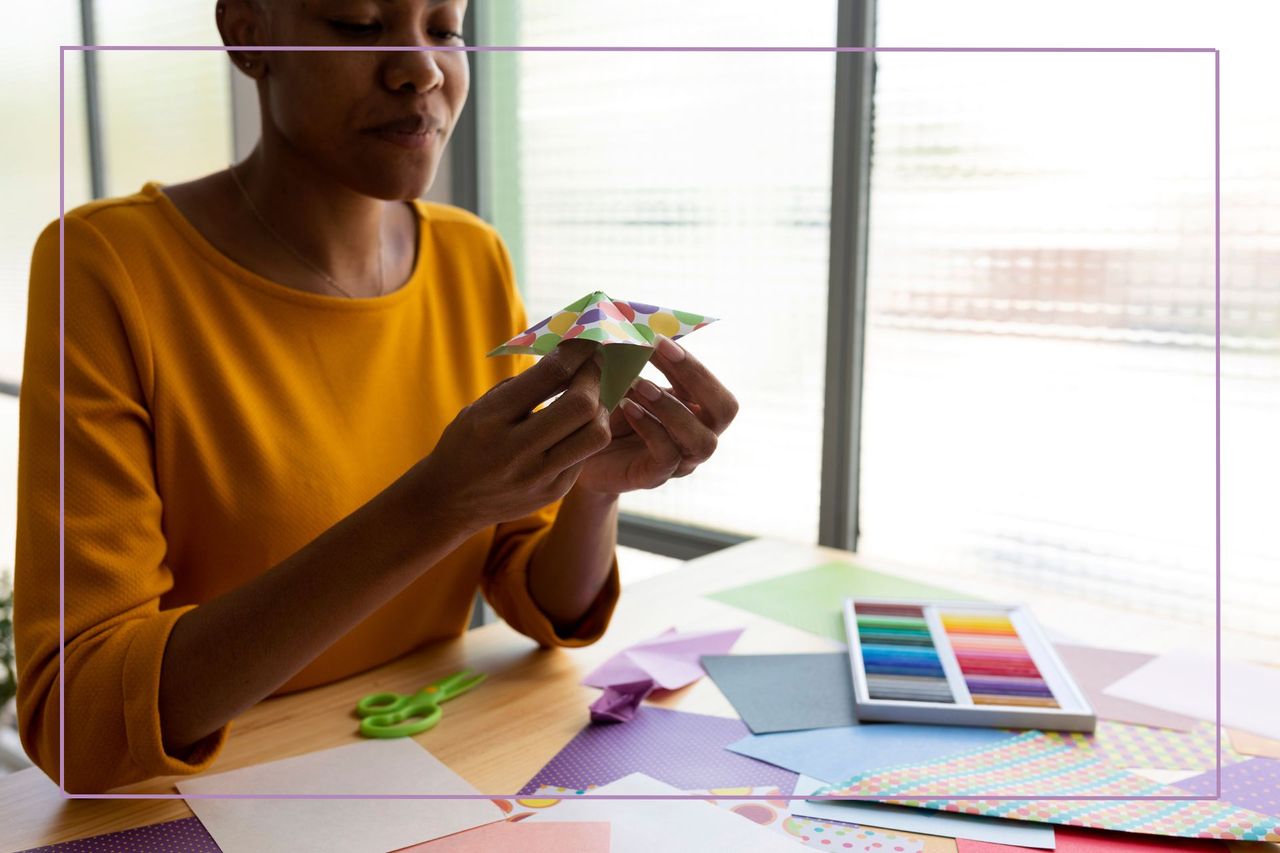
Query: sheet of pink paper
x=670 y=659
x=1071 y=840
x=522 y=837
x=1097 y=669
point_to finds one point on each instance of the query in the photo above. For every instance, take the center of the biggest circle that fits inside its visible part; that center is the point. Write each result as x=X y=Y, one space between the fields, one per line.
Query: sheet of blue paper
x=848 y=750
x=1018 y=833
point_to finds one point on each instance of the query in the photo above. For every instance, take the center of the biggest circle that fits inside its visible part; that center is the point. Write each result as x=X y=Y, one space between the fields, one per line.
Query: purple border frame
x=1217 y=379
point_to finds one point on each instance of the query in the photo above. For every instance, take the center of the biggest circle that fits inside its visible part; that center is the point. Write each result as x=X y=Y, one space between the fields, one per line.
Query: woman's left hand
x=662 y=433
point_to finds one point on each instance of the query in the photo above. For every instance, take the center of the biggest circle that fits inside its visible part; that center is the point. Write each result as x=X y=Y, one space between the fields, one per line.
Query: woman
x=286 y=458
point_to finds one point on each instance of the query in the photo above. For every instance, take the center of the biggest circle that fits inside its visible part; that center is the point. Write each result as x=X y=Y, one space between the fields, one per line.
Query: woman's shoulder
x=119 y=220
x=454 y=222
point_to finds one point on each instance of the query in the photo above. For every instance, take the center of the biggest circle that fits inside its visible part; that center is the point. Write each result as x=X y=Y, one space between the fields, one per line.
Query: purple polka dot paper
x=187 y=835
x=682 y=749
x=1252 y=784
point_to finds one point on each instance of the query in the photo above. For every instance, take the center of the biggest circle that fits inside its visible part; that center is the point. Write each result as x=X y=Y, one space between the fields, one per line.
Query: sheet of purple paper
x=619 y=702
x=1252 y=784
x=1096 y=669
x=187 y=835
x=670 y=659
x=684 y=750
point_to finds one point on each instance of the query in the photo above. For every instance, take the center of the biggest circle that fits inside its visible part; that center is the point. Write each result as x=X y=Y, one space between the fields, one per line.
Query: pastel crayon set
x=958 y=663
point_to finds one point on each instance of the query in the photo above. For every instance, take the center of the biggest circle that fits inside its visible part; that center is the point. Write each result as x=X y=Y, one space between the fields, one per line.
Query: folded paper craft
x=671 y=659
x=628 y=331
x=619 y=702
x=668 y=661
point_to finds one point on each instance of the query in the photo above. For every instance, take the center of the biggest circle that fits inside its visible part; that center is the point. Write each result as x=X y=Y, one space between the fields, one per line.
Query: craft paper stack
x=1024 y=834
x=1155 y=737
x=1032 y=764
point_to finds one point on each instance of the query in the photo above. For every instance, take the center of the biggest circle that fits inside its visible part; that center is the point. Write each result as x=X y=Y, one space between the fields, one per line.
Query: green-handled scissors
x=397 y=715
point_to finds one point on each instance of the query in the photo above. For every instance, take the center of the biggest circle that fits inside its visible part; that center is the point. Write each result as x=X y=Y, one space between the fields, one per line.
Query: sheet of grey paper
x=786 y=693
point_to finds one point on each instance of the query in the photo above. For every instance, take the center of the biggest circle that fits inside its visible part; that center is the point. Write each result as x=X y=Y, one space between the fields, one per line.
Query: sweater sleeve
x=506 y=584
x=506 y=573
x=114 y=570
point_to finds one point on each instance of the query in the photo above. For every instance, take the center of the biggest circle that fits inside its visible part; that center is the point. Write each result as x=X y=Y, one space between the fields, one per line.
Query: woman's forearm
x=570 y=566
x=235 y=650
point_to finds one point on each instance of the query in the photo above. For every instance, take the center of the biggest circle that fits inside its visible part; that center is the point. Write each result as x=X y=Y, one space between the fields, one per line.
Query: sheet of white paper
x=1164 y=777
x=926 y=821
x=672 y=826
x=398 y=766
x=1183 y=682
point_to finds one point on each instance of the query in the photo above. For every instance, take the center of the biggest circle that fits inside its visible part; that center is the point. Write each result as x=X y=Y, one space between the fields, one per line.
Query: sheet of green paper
x=812 y=600
x=622 y=364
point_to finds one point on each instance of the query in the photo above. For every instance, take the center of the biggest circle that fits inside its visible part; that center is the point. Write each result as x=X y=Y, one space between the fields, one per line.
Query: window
x=1038 y=382
x=695 y=181
x=1039 y=393
x=29 y=67
x=166 y=115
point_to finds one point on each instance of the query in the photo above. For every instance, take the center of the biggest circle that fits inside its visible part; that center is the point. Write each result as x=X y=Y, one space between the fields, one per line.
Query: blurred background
x=1035 y=401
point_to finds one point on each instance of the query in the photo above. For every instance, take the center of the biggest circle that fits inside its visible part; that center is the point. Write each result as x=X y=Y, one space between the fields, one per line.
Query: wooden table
x=498 y=736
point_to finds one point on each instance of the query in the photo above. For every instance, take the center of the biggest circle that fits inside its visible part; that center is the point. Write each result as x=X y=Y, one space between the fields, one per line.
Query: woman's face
x=376 y=121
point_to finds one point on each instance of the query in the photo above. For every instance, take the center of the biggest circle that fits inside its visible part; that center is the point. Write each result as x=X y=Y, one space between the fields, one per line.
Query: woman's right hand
x=500 y=460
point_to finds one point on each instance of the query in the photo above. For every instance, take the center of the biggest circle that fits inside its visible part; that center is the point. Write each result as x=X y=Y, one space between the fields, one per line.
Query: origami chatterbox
x=628 y=332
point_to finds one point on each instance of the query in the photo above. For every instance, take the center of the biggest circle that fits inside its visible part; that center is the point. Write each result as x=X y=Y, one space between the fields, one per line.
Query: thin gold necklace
x=253 y=207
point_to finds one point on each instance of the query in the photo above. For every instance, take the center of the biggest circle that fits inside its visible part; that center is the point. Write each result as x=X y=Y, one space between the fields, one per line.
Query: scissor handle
x=382 y=703
x=414 y=718
x=395 y=715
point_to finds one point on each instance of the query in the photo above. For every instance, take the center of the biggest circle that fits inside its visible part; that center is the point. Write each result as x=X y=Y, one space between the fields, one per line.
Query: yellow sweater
x=216 y=422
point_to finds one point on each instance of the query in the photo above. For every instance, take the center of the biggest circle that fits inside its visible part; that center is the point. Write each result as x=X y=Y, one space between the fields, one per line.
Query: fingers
x=695 y=440
x=662 y=449
x=692 y=381
x=576 y=408
x=518 y=396
x=585 y=441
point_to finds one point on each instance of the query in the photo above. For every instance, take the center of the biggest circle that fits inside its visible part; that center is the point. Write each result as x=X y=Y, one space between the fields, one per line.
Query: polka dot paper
x=846 y=838
x=1036 y=765
x=176 y=836
x=598 y=317
x=628 y=332
x=1253 y=785
x=1123 y=745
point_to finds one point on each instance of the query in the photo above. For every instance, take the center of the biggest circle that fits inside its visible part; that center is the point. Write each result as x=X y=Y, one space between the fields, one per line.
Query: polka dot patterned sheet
x=1252 y=784
x=1123 y=745
x=598 y=317
x=176 y=836
x=1037 y=765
